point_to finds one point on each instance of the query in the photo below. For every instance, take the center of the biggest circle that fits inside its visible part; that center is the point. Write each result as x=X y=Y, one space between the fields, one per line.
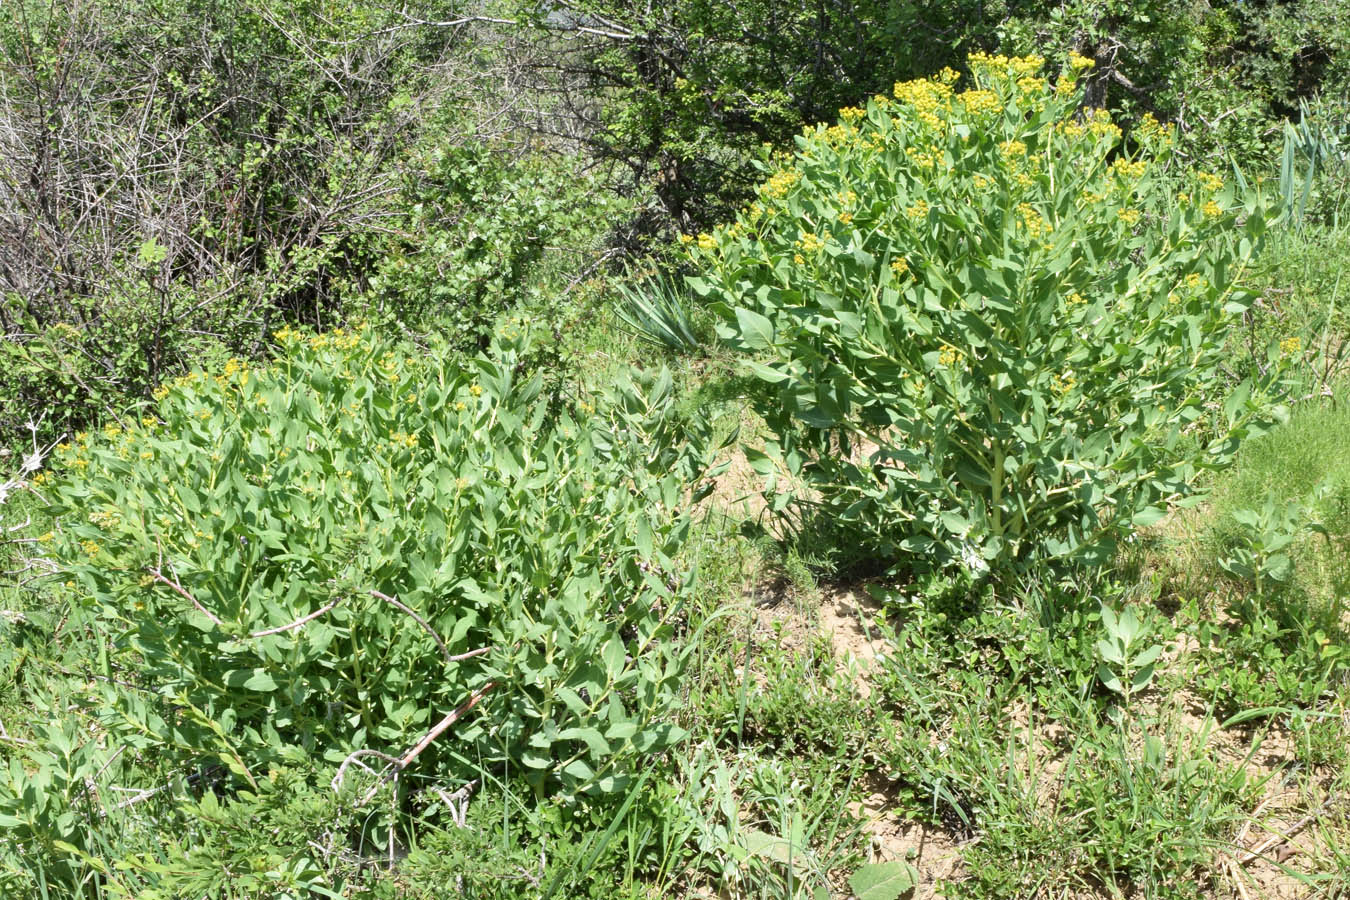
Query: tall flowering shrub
x=988 y=329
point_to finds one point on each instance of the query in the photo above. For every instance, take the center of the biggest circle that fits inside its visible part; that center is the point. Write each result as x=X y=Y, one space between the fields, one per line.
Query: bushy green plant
x=990 y=332
x=255 y=162
x=332 y=554
x=690 y=91
x=471 y=228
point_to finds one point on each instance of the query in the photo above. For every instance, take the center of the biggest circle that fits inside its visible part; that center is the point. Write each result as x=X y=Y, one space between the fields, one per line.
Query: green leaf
x=883 y=881
x=590 y=736
x=250 y=679
x=1109 y=679
x=1149 y=515
x=754 y=330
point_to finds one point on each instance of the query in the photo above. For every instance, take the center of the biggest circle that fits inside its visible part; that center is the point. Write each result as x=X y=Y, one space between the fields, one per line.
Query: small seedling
x=1126 y=666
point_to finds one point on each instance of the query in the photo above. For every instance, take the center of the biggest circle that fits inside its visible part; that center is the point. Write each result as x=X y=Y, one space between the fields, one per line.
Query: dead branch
x=298 y=622
x=182 y=592
x=426 y=626
x=437 y=730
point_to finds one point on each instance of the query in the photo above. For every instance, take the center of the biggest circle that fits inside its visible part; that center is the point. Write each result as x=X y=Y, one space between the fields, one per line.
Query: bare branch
x=426 y=626
x=298 y=622
x=437 y=730
x=182 y=592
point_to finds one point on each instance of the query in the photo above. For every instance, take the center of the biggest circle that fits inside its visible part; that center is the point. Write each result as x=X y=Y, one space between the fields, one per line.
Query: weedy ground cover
x=385 y=620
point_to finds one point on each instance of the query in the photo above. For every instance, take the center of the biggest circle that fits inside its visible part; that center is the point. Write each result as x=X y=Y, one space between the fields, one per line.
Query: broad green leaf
x=883 y=881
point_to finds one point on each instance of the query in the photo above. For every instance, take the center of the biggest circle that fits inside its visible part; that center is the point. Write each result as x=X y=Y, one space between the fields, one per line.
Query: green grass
x=1293 y=459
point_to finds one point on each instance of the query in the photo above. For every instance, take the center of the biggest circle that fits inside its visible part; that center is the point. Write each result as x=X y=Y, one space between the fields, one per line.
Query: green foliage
x=1000 y=736
x=256 y=162
x=1226 y=73
x=1261 y=661
x=989 y=335
x=883 y=881
x=689 y=92
x=1259 y=553
x=1316 y=151
x=656 y=310
x=1126 y=667
x=1278 y=523
x=331 y=554
x=469 y=234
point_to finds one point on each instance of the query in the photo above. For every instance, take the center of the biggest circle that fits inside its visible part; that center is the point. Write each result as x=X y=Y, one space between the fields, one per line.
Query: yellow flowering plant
x=1003 y=347
x=331 y=554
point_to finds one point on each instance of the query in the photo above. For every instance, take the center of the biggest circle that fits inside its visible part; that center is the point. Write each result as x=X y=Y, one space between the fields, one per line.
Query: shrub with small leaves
x=333 y=553
x=990 y=331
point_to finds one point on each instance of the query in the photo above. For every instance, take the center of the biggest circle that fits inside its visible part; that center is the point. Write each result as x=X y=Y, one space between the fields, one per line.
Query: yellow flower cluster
x=1291 y=345
x=1209 y=181
x=511 y=329
x=707 y=241
x=1062 y=384
x=838 y=135
x=851 y=113
x=1078 y=62
x=926 y=96
x=1019 y=66
x=982 y=182
x=1125 y=170
x=1212 y=210
x=1152 y=131
x=341 y=339
x=810 y=242
x=403 y=439
x=1012 y=151
x=846 y=217
x=918 y=211
x=1074 y=299
x=1100 y=125
x=1030 y=84
x=980 y=102
x=1071 y=130
x=926 y=159
x=1128 y=216
x=1196 y=282
x=899 y=266
x=780 y=182
x=1032 y=221
x=949 y=356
